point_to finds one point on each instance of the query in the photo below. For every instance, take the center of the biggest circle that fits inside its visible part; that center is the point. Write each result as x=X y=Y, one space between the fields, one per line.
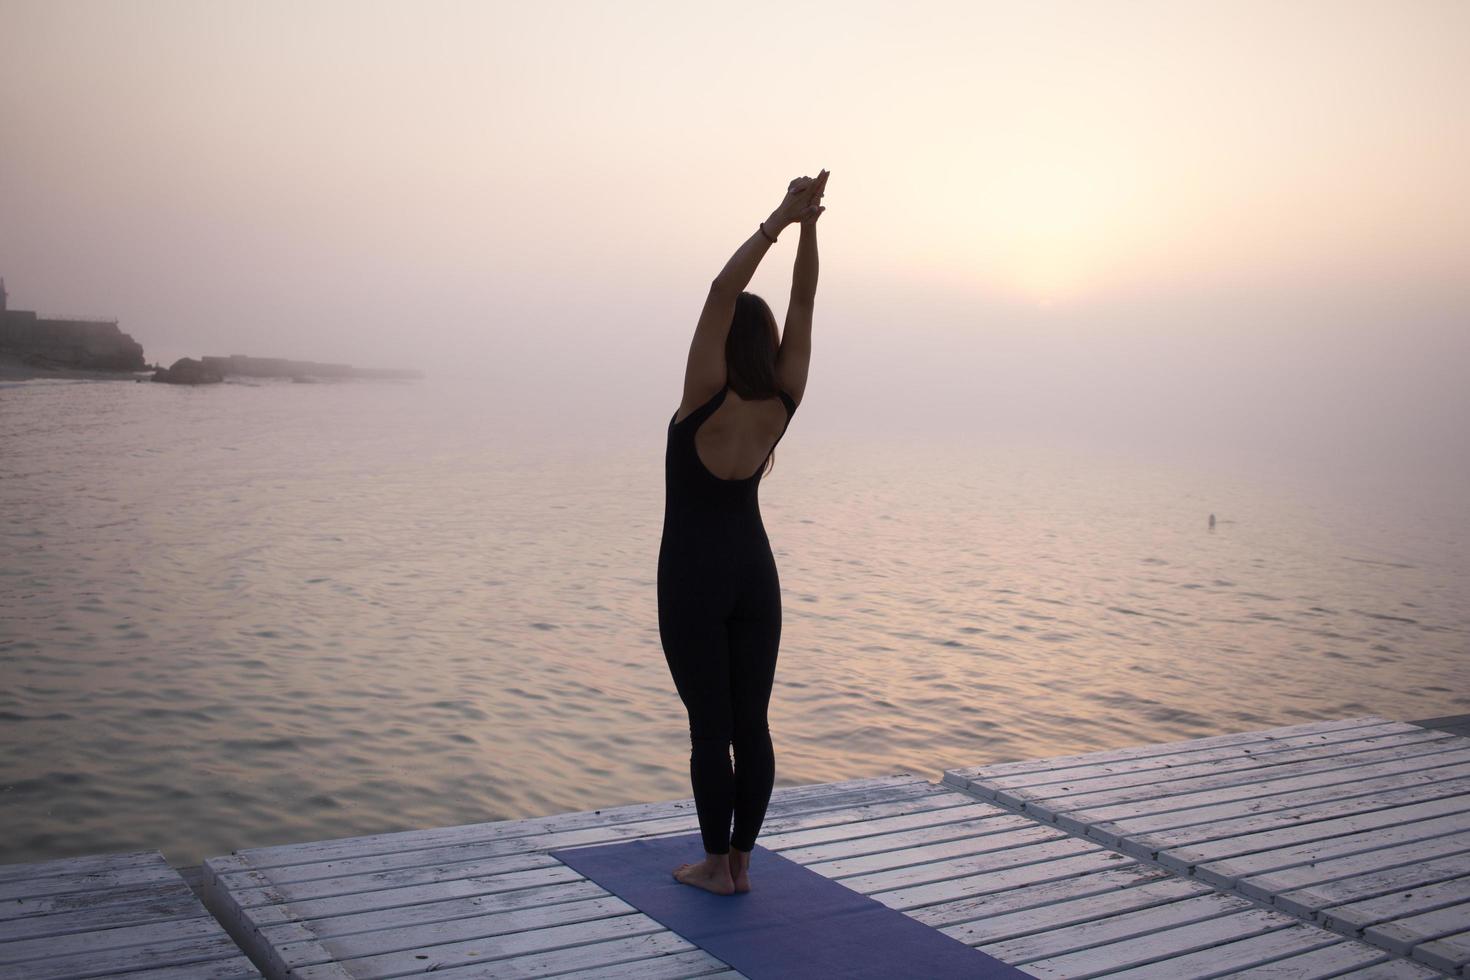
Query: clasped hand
x=803 y=200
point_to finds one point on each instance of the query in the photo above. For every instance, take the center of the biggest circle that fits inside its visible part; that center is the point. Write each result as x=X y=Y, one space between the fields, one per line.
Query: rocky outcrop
x=187 y=371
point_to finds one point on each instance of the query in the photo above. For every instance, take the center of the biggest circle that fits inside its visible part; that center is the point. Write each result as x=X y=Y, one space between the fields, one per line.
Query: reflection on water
x=254 y=615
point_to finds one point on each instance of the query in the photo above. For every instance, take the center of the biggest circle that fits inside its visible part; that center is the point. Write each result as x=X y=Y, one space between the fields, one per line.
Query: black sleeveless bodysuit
x=719 y=620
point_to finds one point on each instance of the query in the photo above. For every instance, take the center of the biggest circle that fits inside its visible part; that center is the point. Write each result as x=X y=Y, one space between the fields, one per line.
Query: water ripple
x=265 y=614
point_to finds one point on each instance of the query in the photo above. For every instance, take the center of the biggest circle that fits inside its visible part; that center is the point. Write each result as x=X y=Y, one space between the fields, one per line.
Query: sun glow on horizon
x=483 y=156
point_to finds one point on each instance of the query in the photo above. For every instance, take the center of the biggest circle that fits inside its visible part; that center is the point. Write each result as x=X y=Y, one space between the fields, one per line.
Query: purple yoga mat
x=792 y=923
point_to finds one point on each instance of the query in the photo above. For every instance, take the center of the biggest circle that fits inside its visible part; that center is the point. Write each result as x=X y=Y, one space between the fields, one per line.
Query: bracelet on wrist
x=769 y=237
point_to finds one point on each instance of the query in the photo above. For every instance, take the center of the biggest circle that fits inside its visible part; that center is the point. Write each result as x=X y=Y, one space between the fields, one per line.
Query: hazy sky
x=1236 y=221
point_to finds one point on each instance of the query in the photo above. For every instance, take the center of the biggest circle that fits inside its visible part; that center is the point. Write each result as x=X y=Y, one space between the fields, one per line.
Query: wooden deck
x=1332 y=849
x=1359 y=826
x=110 y=915
x=485 y=900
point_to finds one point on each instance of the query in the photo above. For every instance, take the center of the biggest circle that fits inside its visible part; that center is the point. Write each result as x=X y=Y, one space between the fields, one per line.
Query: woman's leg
x=755 y=638
x=697 y=651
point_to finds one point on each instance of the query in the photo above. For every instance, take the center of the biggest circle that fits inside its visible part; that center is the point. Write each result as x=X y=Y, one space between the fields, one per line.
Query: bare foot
x=712 y=876
x=739 y=863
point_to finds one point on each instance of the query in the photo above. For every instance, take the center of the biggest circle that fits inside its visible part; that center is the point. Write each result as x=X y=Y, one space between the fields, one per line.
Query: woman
x=719 y=600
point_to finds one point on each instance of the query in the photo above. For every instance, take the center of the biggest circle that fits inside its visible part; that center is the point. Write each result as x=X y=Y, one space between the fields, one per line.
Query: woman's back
x=737 y=435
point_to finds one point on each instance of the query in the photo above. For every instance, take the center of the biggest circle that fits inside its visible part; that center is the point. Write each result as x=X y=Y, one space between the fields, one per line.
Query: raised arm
x=794 y=358
x=705 y=372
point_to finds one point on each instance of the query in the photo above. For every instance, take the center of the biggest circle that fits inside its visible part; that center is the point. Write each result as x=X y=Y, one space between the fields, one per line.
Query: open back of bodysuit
x=731 y=444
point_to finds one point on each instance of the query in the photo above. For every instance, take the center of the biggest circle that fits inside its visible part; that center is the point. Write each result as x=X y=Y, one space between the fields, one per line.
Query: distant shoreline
x=15 y=368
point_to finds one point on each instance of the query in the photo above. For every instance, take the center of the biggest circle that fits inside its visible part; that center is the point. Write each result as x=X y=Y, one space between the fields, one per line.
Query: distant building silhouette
x=66 y=342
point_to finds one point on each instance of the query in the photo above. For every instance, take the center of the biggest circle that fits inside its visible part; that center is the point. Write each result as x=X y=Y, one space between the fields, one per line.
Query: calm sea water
x=247 y=615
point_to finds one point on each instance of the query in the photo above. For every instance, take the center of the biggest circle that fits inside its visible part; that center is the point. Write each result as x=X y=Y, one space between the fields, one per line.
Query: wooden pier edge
x=243 y=929
x=239 y=926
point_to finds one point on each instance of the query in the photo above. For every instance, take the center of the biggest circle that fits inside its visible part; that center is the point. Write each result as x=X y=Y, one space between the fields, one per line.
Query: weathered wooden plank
x=1306 y=901
x=1323 y=874
x=1250 y=954
x=432 y=906
x=153 y=955
x=573 y=941
x=777 y=817
x=76 y=866
x=1091 y=786
x=108 y=914
x=485 y=929
x=936 y=806
x=237 y=967
x=1088 y=902
x=182 y=931
x=357 y=891
x=1402 y=918
x=1326 y=802
x=922 y=872
x=1241 y=758
x=459 y=854
x=22 y=918
x=670 y=966
x=830 y=830
x=231 y=916
x=1394 y=970
x=1223 y=873
x=385 y=907
x=1448 y=953
x=1259 y=774
x=520 y=841
x=1143 y=815
x=1404 y=934
x=1162 y=948
x=833 y=862
x=1193 y=760
x=1156 y=749
x=313 y=851
x=978 y=899
x=960 y=881
x=571 y=959
x=1138 y=923
x=1315 y=964
x=374 y=888
x=66 y=884
x=859 y=836
x=1247 y=833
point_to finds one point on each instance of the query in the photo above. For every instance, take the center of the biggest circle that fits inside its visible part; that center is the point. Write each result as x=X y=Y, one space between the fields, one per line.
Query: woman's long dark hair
x=750 y=352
